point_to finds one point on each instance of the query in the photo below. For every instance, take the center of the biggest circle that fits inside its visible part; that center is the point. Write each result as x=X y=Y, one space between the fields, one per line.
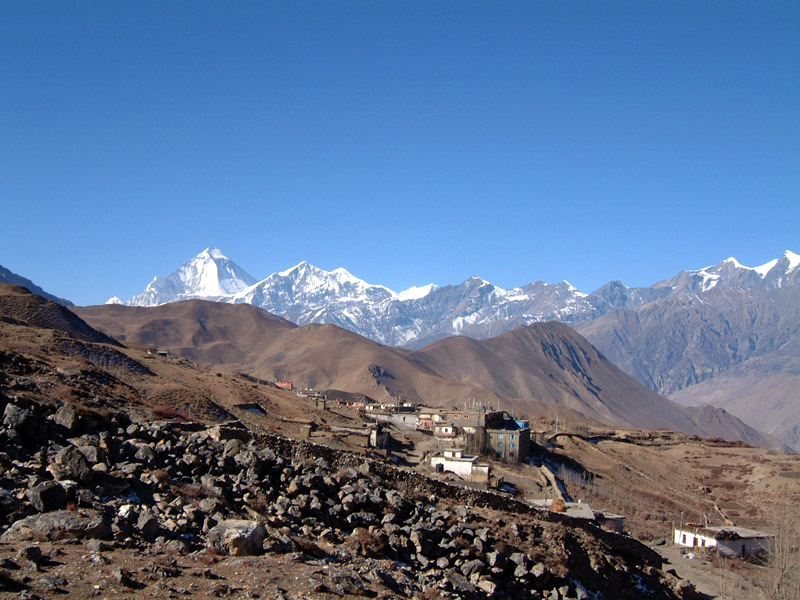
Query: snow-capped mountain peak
x=212 y=252
x=418 y=315
x=793 y=260
x=732 y=260
x=210 y=274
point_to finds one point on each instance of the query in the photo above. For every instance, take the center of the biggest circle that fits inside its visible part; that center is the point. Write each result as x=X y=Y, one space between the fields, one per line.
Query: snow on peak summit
x=210 y=274
x=765 y=268
x=735 y=262
x=417 y=292
x=420 y=314
x=212 y=252
x=794 y=259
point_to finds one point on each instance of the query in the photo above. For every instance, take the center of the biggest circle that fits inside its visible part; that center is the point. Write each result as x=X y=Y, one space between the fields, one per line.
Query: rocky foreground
x=94 y=504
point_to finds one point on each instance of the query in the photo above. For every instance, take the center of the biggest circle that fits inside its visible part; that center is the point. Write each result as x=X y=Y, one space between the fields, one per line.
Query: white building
x=455 y=461
x=728 y=540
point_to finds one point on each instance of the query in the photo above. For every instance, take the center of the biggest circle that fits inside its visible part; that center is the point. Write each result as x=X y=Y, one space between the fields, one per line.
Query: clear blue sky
x=409 y=142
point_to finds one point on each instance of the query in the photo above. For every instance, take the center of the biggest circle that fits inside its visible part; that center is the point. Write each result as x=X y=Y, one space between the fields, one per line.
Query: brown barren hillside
x=19 y=305
x=538 y=369
x=550 y=360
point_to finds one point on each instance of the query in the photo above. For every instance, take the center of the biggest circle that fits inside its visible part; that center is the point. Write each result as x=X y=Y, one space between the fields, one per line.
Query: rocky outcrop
x=231 y=492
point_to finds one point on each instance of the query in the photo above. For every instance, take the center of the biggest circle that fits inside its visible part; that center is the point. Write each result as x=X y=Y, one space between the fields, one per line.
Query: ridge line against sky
x=409 y=143
x=261 y=278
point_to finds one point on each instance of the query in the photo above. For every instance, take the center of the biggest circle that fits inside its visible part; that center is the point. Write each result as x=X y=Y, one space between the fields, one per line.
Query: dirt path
x=717 y=583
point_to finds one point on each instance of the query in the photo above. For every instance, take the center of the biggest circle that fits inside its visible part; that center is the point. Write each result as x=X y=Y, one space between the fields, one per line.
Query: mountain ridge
x=420 y=315
x=8 y=276
x=539 y=368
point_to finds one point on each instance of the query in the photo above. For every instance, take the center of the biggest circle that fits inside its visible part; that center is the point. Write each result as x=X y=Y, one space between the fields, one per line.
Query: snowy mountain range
x=725 y=334
x=420 y=315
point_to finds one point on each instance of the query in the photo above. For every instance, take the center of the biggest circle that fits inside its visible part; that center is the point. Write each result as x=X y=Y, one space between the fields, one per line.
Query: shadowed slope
x=537 y=369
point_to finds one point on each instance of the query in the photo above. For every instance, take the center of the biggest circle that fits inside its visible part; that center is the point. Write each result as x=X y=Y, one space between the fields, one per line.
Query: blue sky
x=409 y=142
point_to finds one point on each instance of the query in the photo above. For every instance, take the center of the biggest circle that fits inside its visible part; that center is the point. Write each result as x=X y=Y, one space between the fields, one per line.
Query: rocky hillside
x=97 y=495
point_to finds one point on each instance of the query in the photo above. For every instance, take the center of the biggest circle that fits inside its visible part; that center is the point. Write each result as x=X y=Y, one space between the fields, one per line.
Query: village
x=479 y=447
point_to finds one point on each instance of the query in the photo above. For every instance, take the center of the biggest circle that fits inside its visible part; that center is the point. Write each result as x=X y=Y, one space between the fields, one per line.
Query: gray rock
x=472 y=566
x=495 y=559
x=70 y=464
x=67 y=417
x=93 y=454
x=59 y=525
x=16 y=417
x=121 y=577
x=47 y=496
x=237 y=537
x=148 y=525
x=459 y=582
x=31 y=553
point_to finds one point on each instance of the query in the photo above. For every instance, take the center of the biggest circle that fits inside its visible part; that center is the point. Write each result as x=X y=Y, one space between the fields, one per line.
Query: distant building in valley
x=728 y=540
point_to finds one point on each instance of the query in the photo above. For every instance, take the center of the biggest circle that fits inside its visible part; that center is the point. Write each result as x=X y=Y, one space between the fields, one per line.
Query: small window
x=684 y=539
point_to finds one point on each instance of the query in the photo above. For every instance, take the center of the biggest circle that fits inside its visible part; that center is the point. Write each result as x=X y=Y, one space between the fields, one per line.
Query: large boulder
x=71 y=464
x=67 y=416
x=237 y=537
x=47 y=496
x=16 y=417
x=59 y=525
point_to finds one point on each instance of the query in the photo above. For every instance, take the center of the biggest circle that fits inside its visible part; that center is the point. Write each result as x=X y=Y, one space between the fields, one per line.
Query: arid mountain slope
x=770 y=403
x=537 y=369
x=549 y=360
x=737 y=349
x=18 y=304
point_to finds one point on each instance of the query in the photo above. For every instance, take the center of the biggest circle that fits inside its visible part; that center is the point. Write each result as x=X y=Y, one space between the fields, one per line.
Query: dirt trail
x=717 y=583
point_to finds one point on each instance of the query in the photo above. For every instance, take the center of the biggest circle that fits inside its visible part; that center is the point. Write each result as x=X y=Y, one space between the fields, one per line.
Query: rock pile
x=188 y=488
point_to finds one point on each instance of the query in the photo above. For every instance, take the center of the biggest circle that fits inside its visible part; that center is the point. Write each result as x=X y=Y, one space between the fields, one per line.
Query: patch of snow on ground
x=709 y=280
x=459 y=322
